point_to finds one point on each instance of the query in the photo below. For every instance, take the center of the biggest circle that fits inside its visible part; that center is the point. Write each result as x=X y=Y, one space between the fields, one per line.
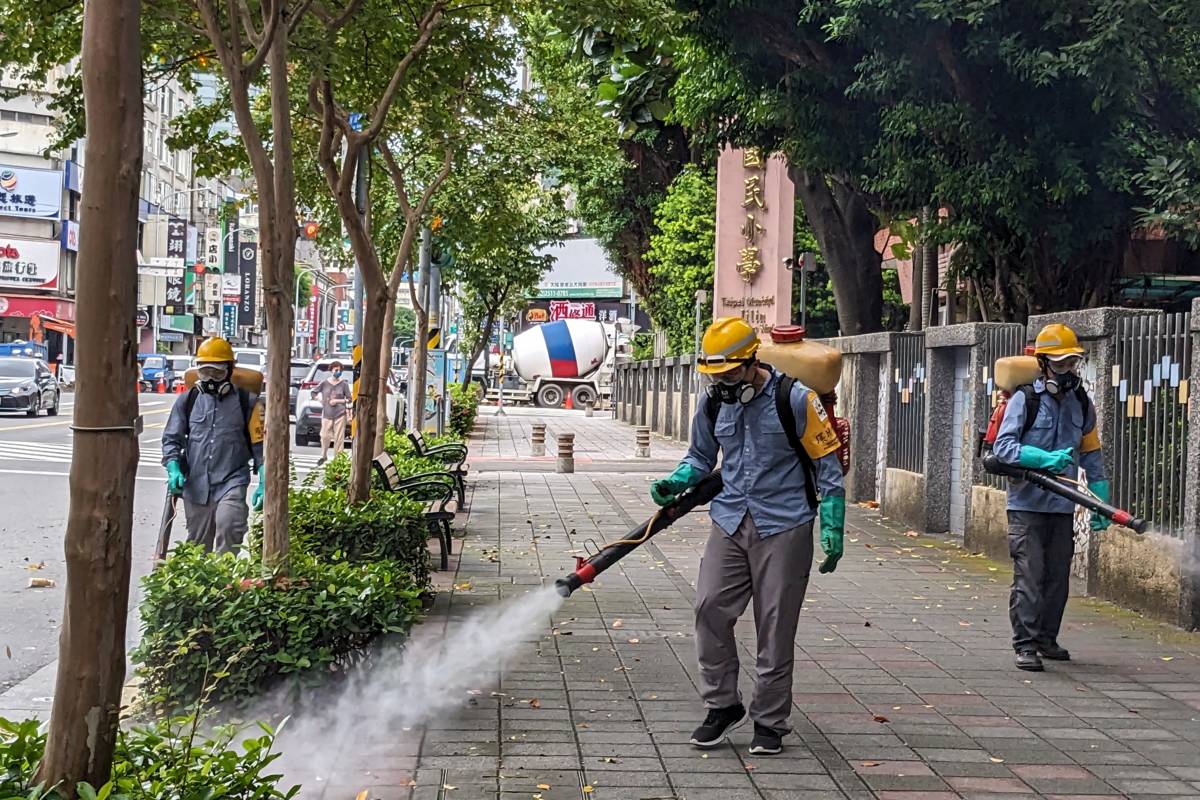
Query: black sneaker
x=717 y=725
x=766 y=742
x=320 y=461
x=1054 y=652
x=1028 y=660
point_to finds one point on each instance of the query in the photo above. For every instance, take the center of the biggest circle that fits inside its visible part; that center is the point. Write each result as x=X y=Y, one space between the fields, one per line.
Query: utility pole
x=416 y=378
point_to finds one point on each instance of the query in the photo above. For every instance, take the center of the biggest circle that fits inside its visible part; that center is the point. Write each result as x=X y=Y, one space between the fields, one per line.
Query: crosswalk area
x=151 y=454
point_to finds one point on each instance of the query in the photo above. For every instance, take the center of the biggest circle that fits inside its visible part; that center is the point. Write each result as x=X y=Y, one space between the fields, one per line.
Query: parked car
x=308 y=414
x=298 y=372
x=252 y=357
x=27 y=384
x=154 y=367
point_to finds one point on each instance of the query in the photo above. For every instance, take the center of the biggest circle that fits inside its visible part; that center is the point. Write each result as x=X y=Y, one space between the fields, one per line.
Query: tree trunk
x=929 y=260
x=916 y=309
x=385 y=365
x=366 y=408
x=278 y=284
x=91 y=659
x=845 y=229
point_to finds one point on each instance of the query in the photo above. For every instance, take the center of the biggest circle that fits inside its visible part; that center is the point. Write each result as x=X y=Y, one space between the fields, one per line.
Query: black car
x=297 y=373
x=26 y=384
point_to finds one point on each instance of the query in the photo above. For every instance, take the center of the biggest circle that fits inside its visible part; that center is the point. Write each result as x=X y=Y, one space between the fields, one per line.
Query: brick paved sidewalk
x=904 y=683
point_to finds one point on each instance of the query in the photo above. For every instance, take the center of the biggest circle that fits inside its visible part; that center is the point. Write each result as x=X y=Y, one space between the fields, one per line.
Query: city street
x=35 y=462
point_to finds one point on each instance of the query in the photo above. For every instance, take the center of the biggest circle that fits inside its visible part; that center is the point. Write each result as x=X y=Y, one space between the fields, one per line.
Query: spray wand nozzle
x=586 y=569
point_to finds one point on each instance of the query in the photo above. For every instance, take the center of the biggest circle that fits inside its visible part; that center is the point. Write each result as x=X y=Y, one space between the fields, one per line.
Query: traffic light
x=309 y=230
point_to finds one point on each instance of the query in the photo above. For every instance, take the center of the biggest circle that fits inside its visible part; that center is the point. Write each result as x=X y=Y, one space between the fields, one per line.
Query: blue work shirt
x=1061 y=423
x=760 y=470
x=214 y=444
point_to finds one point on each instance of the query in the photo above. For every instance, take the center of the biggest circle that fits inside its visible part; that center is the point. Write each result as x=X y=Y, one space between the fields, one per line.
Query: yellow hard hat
x=356 y=354
x=728 y=343
x=1057 y=341
x=214 y=350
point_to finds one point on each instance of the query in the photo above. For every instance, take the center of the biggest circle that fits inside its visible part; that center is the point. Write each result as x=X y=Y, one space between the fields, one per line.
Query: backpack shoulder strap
x=1033 y=402
x=787 y=418
x=712 y=407
x=188 y=404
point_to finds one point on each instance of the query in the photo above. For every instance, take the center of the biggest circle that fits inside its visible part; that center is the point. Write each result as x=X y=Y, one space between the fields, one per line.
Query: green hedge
x=464 y=405
x=169 y=759
x=388 y=527
x=215 y=629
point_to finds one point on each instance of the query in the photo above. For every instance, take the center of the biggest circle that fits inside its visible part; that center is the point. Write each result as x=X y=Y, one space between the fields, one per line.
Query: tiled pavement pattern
x=904 y=685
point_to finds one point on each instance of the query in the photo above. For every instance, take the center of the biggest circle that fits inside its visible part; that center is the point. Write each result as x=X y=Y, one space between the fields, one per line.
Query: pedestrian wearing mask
x=335 y=410
x=1048 y=425
x=778 y=453
x=212 y=437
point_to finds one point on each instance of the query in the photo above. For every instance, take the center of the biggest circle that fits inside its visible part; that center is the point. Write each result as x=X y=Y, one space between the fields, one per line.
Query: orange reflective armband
x=1090 y=442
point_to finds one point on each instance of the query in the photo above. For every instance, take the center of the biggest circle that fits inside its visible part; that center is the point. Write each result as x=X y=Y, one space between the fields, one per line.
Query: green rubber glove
x=259 y=491
x=833 y=527
x=667 y=489
x=1103 y=490
x=1055 y=461
x=175 y=479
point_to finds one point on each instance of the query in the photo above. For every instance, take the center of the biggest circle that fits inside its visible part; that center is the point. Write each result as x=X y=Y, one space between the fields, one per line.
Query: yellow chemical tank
x=817 y=366
x=250 y=380
x=1014 y=371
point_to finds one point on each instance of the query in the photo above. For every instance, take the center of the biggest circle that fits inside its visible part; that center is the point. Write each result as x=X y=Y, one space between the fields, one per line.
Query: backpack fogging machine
x=586 y=569
x=1016 y=373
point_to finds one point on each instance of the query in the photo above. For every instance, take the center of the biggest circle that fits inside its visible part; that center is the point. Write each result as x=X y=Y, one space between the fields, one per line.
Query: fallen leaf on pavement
x=750 y=767
x=535 y=703
x=618 y=623
x=911 y=534
x=995 y=760
x=608 y=760
x=7 y=651
x=588 y=789
x=41 y=583
x=871 y=763
x=543 y=786
x=362 y=795
x=633 y=641
x=880 y=718
x=39 y=565
x=1168 y=658
x=448 y=787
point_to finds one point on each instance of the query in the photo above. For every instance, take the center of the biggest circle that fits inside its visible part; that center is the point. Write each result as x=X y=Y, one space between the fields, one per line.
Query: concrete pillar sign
x=755 y=212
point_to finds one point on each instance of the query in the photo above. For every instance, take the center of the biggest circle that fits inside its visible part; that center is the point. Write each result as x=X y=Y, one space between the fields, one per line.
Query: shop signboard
x=28 y=192
x=29 y=263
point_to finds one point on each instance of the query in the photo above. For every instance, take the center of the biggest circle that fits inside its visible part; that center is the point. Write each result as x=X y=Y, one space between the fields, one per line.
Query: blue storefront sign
x=229 y=314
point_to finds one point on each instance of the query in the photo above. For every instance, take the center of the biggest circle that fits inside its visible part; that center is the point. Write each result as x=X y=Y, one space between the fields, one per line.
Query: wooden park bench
x=435 y=489
x=452 y=454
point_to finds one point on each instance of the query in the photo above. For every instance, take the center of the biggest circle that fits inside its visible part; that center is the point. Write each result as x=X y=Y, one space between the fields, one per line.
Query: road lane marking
x=65 y=422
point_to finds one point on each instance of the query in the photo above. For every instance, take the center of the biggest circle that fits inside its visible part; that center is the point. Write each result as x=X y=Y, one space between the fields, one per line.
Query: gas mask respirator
x=732 y=391
x=214 y=379
x=1062 y=376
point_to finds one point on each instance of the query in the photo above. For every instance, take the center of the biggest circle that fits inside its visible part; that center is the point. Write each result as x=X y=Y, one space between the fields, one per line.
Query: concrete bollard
x=537 y=440
x=587 y=410
x=566 y=452
x=642 y=450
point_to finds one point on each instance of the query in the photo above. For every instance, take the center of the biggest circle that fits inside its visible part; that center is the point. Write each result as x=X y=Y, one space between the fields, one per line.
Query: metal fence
x=996 y=343
x=1150 y=382
x=906 y=446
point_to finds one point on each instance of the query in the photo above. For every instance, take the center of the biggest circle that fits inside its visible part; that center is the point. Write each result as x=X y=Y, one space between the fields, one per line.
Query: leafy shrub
x=217 y=627
x=389 y=526
x=464 y=404
x=165 y=760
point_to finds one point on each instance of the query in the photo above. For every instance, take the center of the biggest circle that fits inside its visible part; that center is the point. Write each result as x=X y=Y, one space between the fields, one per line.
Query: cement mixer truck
x=565 y=358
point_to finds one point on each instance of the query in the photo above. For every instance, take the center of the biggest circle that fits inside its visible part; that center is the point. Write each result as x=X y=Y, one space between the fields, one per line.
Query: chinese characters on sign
x=563 y=309
x=212 y=250
x=176 y=239
x=30 y=192
x=755 y=207
x=29 y=264
x=749 y=258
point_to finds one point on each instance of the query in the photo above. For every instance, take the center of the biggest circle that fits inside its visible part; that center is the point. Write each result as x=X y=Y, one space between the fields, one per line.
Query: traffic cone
x=179 y=387
x=570 y=404
x=162 y=386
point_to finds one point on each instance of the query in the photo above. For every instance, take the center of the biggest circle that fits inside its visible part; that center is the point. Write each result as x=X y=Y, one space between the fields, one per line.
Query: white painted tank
x=565 y=348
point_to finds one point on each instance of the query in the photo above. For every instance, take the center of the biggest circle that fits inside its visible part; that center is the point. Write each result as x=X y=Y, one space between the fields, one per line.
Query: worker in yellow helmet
x=212 y=437
x=779 y=452
x=1048 y=425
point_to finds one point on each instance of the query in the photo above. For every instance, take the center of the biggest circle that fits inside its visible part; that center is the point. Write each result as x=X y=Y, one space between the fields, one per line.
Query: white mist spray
x=429 y=675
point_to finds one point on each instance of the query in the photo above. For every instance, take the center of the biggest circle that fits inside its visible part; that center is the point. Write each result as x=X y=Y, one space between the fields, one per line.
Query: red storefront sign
x=566 y=309
x=15 y=306
x=312 y=313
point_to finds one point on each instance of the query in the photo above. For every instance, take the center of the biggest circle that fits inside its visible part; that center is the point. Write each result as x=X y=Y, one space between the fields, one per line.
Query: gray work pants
x=774 y=571
x=1041 y=546
x=221 y=524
